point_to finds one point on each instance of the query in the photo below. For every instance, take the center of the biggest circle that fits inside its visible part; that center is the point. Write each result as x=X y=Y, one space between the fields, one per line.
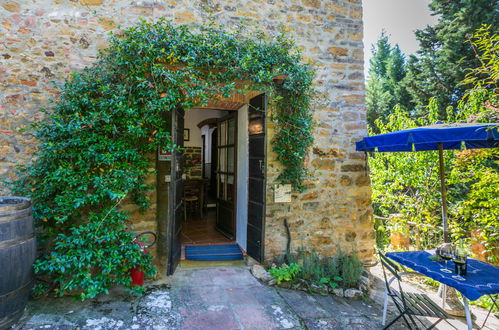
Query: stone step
x=211 y=264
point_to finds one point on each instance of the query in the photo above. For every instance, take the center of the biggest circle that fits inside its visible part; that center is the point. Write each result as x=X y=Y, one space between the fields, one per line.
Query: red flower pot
x=137 y=277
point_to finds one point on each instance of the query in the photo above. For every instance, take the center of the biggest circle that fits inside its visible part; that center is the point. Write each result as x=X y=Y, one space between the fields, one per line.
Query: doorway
x=202 y=222
x=223 y=187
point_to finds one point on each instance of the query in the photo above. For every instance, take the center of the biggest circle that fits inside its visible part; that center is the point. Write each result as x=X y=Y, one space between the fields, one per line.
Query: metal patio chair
x=494 y=303
x=409 y=305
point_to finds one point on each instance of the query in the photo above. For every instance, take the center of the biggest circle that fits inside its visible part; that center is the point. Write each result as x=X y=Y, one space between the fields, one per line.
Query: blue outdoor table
x=481 y=279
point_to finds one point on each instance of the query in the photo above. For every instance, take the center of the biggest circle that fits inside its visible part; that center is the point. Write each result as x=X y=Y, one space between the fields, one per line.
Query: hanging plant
x=95 y=140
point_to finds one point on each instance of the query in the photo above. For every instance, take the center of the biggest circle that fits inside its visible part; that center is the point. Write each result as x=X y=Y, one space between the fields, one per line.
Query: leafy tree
x=444 y=53
x=396 y=73
x=478 y=170
x=384 y=90
x=407 y=183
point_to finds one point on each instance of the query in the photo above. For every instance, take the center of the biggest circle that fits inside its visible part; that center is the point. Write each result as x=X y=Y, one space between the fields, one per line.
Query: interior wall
x=193 y=147
x=242 y=177
x=192 y=118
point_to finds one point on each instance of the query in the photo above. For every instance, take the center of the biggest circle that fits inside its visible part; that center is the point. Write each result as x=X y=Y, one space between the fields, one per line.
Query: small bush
x=340 y=270
x=285 y=272
x=350 y=268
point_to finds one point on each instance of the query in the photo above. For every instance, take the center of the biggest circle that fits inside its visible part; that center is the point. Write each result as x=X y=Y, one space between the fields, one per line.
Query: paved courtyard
x=205 y=298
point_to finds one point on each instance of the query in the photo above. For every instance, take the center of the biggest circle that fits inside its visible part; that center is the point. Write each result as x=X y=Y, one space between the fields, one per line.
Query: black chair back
x=394 y=269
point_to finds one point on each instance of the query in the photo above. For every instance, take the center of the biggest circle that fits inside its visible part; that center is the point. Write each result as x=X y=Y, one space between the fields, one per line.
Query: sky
x=399 y=18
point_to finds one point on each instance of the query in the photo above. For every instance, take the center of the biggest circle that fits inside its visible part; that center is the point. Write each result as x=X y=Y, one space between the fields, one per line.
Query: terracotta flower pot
x=399 y=240
x=479 y=249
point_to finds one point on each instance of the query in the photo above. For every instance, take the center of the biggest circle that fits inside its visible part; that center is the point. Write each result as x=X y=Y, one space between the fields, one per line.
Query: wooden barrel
x=17 y=254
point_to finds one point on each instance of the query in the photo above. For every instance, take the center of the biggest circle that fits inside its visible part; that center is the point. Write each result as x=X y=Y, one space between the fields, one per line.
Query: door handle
x=261 y=162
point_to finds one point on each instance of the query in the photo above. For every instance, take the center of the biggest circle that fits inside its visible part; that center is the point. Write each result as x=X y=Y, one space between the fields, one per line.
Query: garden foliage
x=285 y=272
x=96 y=140
x=408 y=183
x=341 y=269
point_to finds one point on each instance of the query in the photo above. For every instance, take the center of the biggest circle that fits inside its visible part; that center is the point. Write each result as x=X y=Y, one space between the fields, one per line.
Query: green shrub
x=350 y=268
x=285 y=272
x=342 y=269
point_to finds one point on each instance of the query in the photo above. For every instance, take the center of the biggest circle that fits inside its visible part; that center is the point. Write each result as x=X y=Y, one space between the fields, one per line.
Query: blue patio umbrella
x=435 y=137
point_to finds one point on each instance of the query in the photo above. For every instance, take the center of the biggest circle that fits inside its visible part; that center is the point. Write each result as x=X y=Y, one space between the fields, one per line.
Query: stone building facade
x=42 y=41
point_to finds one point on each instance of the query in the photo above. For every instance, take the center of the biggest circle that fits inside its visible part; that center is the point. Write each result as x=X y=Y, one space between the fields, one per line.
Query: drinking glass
x=446 y=255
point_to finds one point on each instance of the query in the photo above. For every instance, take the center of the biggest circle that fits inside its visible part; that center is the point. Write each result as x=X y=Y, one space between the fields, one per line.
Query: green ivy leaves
x=110 y=116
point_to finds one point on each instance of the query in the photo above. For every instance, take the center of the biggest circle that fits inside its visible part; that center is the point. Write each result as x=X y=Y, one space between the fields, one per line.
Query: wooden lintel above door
x=223 y=105
x=232 y=103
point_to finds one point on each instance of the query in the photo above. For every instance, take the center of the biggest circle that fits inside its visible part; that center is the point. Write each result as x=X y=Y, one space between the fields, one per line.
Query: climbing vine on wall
x=110 y=116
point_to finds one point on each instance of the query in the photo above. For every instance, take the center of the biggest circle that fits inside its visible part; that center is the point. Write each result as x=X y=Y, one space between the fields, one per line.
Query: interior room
x=215 y=185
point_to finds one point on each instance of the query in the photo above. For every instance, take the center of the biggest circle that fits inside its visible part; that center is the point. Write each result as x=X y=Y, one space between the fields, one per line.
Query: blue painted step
x=213 y=252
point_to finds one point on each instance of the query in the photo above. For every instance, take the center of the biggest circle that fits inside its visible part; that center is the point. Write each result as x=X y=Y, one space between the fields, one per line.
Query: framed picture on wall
x=187 y=134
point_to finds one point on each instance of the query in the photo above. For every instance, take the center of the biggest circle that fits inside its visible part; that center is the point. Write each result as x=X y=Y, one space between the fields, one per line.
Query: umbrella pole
x=443 y=191
x=453 y=309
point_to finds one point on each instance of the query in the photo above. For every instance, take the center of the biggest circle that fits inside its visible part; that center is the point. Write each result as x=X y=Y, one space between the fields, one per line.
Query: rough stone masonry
x=42 y=41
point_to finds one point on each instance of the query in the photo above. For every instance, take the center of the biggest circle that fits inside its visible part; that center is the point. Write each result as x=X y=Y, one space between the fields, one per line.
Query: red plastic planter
x=137 y=274
x=137 y=277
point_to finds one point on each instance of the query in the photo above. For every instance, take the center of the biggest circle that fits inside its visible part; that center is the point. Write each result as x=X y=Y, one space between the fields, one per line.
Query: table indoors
x=481 y=278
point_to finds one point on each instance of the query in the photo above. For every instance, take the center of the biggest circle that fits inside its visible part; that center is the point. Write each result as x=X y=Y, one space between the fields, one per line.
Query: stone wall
x=144 y=220
x=42 y=41
x=335 y=211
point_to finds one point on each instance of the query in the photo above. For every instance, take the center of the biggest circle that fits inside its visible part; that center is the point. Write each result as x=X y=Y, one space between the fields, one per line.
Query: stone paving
x=222 y=297
x=203 y=298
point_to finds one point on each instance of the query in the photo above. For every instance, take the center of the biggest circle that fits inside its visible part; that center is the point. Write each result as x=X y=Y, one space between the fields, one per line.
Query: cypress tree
x=444 y=54
x=384 y=90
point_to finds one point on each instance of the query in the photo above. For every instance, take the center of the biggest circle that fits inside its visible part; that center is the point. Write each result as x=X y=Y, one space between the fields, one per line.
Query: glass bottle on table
x=460 y=263
x=446 y=253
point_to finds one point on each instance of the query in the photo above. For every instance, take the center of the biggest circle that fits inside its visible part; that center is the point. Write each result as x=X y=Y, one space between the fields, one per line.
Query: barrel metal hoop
x=14 y=216
x=17 y=291
x=21 y=203
x=16 y=241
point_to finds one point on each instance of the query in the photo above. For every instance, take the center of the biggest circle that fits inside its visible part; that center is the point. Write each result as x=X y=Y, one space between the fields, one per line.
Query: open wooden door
x=226 y=175
x=176 y=194
x=256 y=179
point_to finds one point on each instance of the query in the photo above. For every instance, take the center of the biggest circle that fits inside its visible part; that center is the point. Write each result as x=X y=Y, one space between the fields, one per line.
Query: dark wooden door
x=226 y=175
x=176 y=193
x=256 y=180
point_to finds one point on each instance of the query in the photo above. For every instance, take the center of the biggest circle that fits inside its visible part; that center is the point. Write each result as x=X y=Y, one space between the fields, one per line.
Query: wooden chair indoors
x=408 y=304
x=193 y=198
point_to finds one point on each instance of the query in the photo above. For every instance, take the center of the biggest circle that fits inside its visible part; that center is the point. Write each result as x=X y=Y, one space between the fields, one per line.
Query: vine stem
x=108 y=212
